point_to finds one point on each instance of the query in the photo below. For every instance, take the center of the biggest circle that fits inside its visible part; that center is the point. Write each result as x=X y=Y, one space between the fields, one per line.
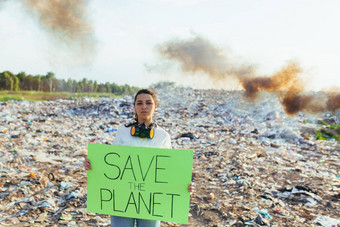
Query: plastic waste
x=326 y=221
x=64 y=185
x=247 y=156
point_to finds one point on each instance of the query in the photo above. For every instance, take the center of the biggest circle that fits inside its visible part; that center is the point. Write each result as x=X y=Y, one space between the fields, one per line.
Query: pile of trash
x=253 y=164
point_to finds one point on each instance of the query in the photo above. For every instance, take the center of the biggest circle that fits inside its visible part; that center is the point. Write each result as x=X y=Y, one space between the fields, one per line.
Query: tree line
x=49 y=83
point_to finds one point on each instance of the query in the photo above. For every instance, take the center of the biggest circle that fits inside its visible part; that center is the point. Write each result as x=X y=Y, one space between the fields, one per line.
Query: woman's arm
x=87 y=164
x=191 y=188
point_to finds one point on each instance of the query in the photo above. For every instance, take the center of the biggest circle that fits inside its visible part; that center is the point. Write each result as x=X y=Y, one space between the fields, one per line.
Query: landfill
x=253 y=164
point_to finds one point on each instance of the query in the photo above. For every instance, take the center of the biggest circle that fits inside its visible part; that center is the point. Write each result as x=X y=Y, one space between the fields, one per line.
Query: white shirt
x=161 y=138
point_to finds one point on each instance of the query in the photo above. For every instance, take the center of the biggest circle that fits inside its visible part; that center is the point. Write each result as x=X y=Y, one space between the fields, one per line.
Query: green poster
x=139 y=182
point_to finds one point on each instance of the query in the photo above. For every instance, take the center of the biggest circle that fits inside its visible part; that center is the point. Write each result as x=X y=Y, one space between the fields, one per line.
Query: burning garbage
x=200 y=55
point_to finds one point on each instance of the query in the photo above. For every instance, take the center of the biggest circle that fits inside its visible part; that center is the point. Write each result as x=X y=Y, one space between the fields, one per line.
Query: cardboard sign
x=139 y=182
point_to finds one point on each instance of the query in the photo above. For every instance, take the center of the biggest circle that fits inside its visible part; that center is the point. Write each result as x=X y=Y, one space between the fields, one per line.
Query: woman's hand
x=191 y=188
x=87 y=164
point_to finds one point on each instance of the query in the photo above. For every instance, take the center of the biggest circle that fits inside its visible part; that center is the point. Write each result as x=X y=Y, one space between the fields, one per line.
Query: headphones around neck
x=142 y=131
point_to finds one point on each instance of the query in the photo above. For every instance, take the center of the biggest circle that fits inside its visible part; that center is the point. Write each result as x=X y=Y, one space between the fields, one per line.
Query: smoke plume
x=200 y=55
x=333 y=101
x=66 y=18
x=67 y=23
x=284 y=80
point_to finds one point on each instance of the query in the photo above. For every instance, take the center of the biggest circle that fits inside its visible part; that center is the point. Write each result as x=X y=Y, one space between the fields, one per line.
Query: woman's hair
x=144 y=91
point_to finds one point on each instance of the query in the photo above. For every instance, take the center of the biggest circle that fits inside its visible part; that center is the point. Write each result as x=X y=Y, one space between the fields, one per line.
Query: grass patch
x=321 y=122
x=328 y=131
x=324 y=134
x=9 y=98
x=319 y=136
x=48 y=96
x=334 y=126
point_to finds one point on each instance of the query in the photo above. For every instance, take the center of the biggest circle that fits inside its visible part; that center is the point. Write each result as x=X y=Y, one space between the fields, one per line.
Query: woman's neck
x=147 y=122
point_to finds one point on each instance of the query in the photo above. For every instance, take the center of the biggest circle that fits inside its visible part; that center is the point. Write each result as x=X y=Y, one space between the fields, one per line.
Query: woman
x=143 y=132
x=145 y=104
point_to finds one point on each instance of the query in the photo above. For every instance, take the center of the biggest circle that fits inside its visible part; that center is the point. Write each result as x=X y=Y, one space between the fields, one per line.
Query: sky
x=126 y=34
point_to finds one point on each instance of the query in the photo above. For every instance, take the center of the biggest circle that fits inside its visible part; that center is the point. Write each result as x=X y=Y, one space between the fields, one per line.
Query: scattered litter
x=326 y=221
x=64 y=185
x=253 y=164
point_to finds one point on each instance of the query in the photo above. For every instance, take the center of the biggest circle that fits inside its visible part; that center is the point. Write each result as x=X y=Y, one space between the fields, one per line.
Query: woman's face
x=145 y=107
